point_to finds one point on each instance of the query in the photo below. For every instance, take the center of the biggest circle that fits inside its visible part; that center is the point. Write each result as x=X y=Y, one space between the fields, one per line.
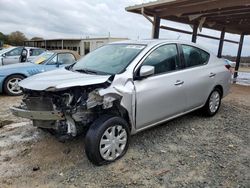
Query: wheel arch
x=4 y=81
x=119 y=110
x=220 y=88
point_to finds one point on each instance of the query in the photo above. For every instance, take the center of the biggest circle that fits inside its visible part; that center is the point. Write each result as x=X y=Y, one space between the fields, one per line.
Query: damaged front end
x=69 y=111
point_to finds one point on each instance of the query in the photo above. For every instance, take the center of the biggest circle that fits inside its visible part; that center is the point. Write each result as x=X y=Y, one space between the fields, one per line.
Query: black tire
x=7 y=82
x=206 y=109
x=95 y=134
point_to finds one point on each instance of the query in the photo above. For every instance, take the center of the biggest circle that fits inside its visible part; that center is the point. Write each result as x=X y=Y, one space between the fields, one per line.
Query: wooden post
x=156 y=27
x=239 y=55
x=195 y=31
x=222 y=36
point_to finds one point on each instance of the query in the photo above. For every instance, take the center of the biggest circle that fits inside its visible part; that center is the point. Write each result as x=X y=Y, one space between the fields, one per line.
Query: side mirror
x=3 y=55
x=146 y=70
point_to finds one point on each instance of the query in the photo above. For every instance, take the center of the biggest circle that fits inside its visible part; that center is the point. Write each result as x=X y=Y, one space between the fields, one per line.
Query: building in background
x=82 y=46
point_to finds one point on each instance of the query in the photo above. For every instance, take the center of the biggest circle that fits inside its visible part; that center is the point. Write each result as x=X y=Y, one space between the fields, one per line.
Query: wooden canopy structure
x=231 y=16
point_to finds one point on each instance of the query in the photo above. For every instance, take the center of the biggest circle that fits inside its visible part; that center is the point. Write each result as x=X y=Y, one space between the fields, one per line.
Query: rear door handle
x=179 y=82
x=212 y=74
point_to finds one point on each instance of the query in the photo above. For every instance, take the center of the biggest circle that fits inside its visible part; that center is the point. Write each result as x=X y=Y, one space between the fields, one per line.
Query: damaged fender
x=126 y=94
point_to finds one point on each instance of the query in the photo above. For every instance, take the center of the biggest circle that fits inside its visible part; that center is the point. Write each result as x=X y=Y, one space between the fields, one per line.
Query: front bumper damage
x=37 y=115
x=73 y=110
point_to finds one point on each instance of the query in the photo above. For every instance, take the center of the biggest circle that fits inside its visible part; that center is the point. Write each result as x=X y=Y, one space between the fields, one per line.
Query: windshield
x=109 y=59
x=43 y=57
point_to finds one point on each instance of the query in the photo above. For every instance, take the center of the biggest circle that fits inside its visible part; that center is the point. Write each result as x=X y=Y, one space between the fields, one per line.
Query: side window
x=194 y=56
x=66 y=58
x=15 y=52
x=164 y=59
x=35 y=52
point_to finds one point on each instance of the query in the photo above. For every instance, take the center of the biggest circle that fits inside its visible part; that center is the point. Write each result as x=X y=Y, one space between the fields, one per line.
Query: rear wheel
x=107 y=140
x=213 y=103
x=11 y=86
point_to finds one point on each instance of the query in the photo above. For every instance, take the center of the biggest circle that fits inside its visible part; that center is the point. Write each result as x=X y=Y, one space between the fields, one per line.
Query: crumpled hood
x=61 y=79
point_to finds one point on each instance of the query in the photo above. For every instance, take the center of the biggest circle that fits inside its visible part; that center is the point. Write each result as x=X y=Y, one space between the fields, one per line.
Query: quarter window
x=164 y=59
x=194 y=56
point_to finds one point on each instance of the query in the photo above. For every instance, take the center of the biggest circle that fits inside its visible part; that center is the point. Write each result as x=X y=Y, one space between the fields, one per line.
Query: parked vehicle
x=11 y=75
x=123 y=88
x=20 y=54
x=3 y=52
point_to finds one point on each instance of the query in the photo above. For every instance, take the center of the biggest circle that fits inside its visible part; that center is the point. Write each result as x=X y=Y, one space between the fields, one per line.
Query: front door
x=161 y=95
x=12 y=56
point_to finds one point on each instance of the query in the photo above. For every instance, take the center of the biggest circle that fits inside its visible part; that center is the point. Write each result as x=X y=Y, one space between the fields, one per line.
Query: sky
x=94 y=18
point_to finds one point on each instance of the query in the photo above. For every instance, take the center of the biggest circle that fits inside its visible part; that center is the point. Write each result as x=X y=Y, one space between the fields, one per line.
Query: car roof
x=77 y=56
x=27 y=47
x=154 y=42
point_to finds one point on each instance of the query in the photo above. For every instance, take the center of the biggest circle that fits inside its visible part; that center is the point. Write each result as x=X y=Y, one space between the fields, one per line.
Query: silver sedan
x=123 y=88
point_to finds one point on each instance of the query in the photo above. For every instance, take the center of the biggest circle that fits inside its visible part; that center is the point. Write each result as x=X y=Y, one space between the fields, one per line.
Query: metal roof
x=233 y=15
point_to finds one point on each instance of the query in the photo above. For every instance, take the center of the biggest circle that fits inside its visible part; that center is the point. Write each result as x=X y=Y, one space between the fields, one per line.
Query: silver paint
x=149 y=101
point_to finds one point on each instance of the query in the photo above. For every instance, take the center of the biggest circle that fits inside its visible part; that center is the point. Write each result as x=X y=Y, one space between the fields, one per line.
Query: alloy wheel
x=13 y=87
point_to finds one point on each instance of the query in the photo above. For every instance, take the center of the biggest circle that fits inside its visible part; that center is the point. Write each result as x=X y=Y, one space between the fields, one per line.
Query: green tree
x=16 y=38
x=3 y=37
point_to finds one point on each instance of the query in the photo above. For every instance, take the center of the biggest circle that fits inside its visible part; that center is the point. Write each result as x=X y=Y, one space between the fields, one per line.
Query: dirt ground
x=191 y=151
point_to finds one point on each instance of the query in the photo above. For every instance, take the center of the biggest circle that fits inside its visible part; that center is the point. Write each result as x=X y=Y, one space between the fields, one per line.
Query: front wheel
x=11 y=86
x=107 y=140
x=213 y=103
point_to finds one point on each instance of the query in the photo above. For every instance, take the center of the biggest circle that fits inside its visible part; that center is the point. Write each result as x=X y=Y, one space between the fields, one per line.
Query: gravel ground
x=191 y=151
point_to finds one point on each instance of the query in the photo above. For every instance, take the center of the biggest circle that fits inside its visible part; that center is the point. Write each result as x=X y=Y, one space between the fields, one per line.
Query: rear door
x=197 y=75
x=161 y=95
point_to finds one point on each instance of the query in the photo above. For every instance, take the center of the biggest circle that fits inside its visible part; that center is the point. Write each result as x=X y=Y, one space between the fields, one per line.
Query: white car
x=14 y=55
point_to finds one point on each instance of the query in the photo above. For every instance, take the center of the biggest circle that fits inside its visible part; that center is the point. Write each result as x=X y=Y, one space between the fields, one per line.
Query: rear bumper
x=37 y=115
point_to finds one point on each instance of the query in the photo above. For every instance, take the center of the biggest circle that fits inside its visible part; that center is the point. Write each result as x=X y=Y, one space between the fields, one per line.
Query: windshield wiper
x=88 y=71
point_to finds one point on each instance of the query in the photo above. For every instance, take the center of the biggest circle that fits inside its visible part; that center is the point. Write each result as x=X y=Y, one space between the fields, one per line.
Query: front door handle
x=179 y=82
x=212 y=74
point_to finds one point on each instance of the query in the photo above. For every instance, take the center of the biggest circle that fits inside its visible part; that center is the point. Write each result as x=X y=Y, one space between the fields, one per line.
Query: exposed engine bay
x=77 y=107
